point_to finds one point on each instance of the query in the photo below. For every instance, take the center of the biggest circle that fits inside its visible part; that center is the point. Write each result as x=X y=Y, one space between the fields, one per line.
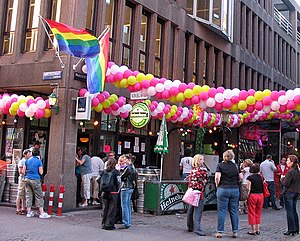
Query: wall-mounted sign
x=139 y=115
x=138 y=95
x=52 y=75
x=83 y=108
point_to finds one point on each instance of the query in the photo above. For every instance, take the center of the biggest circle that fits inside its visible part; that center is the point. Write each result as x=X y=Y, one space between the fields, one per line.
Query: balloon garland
x=24 y=106
x=206 y=97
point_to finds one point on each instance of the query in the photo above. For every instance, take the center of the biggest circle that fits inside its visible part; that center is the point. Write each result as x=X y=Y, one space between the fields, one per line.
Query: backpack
x=107 y=182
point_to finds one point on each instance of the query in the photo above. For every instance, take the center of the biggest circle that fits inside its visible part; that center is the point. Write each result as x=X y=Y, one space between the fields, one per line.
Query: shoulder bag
x=192 y=197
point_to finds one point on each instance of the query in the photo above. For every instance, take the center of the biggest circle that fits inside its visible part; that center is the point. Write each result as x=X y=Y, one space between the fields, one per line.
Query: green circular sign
x=139 y=115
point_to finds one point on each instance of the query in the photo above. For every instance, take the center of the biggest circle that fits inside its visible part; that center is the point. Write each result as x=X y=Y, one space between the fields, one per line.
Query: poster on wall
x=17 y=155
x=143 y=146
x=136 y=149
x=127 y=144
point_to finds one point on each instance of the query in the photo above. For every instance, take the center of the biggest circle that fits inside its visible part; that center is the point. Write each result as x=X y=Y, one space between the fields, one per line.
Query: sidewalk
x=85 y=225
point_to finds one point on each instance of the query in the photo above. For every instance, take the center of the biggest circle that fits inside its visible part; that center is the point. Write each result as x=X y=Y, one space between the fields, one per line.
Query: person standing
x=186 y=163
x=227 y=179
x=245 y=169
x=86 y=174
x=291 y=191
x=267 y=169
x=33 y=170
x=127 y=178
x=197 y=181
x=97 y=169
x=20 y=201
x=110 y=199
x=282 y=169
x=255 y=199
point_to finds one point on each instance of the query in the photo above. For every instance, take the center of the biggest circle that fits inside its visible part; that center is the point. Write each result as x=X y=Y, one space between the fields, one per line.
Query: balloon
x=227 y=104
x=243 y=95
x=114 y=69
x=282 y=100
x=210 y=102
x=188 y=93
x=227 y=94
x=140 y=77
x=151 y=91
x=290 y=94
x=275 y=105
x=180 y=97
x=196 y=89
x=118 y=76
x=131 y=80
x=290 y=105
x=95 y=101
x=259 y=95
x=174 y=90
x=159 y=87
x=212 y=92
x=267 y=100
x=41 y=104
x=124 y=83
x=242 y=105
x=39 y=113
x=219 y=97
x=98 y=108
x=250 y=100
x=182 y=87
x=127 y=73
x=274 y=95
x=29 y=113
x=48 y=113
x=20 y=113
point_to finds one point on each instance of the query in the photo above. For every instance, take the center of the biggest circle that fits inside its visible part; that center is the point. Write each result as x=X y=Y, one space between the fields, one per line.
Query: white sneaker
x=30 y=214
x=44 y=215
x=95 y=203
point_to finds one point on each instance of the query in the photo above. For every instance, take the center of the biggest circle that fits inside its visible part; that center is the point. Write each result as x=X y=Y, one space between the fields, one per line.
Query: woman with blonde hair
x=227 y=178
x=197 y=180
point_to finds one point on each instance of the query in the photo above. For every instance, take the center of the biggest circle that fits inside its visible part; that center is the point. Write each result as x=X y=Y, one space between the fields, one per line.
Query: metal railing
x=283 y=22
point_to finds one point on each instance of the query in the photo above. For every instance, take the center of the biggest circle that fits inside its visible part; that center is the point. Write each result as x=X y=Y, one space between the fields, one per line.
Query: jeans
x=194 y=217
x=126 y=206
x=228 y=198
x=272 y=198
x=290 y=202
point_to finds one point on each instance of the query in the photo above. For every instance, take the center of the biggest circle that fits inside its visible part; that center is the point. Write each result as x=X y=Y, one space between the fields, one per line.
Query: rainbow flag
x=97 y=67
x=79 y=43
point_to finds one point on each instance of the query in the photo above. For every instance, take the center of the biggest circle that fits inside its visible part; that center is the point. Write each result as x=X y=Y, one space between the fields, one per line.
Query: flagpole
x=161 y=167
x=56 y=49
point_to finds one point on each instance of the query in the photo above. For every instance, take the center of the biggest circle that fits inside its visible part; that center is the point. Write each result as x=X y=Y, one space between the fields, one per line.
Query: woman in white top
x=186 y=163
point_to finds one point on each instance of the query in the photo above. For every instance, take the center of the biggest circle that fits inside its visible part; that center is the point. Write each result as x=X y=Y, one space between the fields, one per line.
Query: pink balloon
x=258 y=105
x=203 y=96
x=191 y=85
x=274 y=95
x=145 y=84
x=220 y=89
x=118 y=76
x=37 y=99
x=8 y=104
x=212 y=92
x=165 y=94
x=195 y=99
x=115 y=106
x=297 y=99
x=250 y=108
x=158 y=95
x=110 y=78
x=187 y=102
x=135 y=73
x=162 y=80
x=174 y=91
x=267 y=101
x=160 y=114
x=110 y=64
x=131 y=88
x=174 y=118
x=20 y=113
x=82 y=92
x=107 y=110
x=39 y=113
x=243 y=94
x=154 y=82
x=281 y=92
x=137 y=86
x=290 y=105
x=227 y=104
x=251 y=92
x=125 y=115
x=95 y=101
x=47 y=104
x=218 y=106
x=182 y=87
x=235 y=99
x=127 y=73
x=152 y=107
x=101 y=98
x=15 y=99
x=282 y=108
x=105 y=94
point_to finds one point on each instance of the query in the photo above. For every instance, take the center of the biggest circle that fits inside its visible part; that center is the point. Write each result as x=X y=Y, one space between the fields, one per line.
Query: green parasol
x=162 y=146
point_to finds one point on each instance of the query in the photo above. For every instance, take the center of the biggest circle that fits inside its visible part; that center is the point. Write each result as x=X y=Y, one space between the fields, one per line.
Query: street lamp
x=53 y=99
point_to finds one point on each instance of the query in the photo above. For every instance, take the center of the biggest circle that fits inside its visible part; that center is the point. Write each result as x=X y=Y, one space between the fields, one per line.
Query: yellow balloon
x=106 y=103
x=111 y=100
x=188 y=93
x=98 y=108
x=117 y=84
x=242 y=105
x=173 y=99
x=234 y=108
x=131 y=80
x=197 y=89
x=180 y=97
x=205 y=88
x=250 y=100
x=149 y=77
x=124 y=83
x=297 y=108
x=12 y=111
x=245 y=115
x=48 y=113
x=148 y=102
x=172 y=112
x=174 y=107
x=259 y=95
x=267 y=92
x=29 y=97
x=168 y=115
x=140 y=77
x=20 y=101
x=14 y=106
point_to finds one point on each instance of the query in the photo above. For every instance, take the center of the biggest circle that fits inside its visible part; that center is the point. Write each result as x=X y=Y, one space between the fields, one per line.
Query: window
x=143 y=65
x=90 y=14
x=127 y=27
x=10 y=26
x=171 y=51
x=195 y=63
x=55 y=16
x=217 y=13
x=32 y=25
x=158 y=49
x=109 y=20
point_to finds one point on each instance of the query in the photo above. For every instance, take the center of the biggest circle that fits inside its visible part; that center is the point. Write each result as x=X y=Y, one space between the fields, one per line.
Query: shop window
x=216 y=13
x=31 y=33
x=127 y=29
x=55 y=16
x=143 y=65
x=10 y=26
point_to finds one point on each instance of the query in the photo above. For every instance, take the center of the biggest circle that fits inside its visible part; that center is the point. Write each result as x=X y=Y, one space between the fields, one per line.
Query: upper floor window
x=55 y=16
x=109 y=20
x=127 y=29
x=158 y=49
x=215 y=13
x=10 y=26
x=143 y=65
x=90 y=14
x=32 y=25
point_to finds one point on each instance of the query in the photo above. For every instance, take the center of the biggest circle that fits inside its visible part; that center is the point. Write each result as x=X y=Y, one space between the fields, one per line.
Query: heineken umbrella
x=162 y=146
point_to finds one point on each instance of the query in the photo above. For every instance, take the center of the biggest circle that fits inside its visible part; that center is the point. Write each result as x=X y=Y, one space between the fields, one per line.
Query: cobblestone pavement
x=85 y=225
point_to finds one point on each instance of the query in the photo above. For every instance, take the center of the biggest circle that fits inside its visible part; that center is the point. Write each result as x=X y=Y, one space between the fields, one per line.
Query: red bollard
x=44 y=189
x=60 y=200
x=51 y=199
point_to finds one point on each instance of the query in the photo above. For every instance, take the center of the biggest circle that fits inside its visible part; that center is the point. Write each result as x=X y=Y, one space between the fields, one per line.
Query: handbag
x=243 y=192
x=192 y=197
x=266 y=192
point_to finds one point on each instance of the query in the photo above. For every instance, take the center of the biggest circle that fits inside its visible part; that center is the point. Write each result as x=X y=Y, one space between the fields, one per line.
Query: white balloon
x=151 y=91
x=162 y=104
x=180 y=118
x=41 y=104
x=159 y=87
x=6 y=98
x=235 y=92
x=114 y=69
x=123 y=68
x=1 y=103
x=14 y=96
x=297 y=91
x=227 y=93
x=84 y=69
x=159 y=109
x=108 y=72
x=210 y=102
x=115 y=112
x=168 y=84
x=29 y=113
x=282 y=100
x=290 y=94
x=275 y=105
x=33 y=107
x=267 y=109
x=176 y=83
x=128 y=107
x=23 y=107
x=203 y=104
x=219 y=97
x=154 y=113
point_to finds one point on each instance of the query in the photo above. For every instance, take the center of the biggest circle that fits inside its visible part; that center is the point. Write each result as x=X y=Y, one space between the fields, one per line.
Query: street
x=85 y=225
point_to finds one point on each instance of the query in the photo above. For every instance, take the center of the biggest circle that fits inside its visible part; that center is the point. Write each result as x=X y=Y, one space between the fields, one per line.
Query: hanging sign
x=139 y=115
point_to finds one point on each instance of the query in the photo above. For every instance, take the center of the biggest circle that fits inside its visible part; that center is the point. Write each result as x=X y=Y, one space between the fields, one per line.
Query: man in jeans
x=267 y=169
